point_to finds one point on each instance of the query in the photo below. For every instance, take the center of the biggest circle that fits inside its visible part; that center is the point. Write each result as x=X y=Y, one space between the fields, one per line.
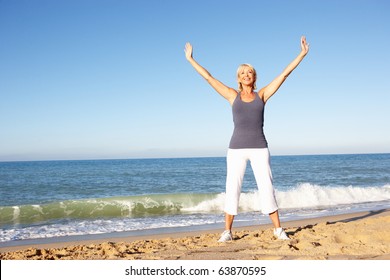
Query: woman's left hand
x=188 y=51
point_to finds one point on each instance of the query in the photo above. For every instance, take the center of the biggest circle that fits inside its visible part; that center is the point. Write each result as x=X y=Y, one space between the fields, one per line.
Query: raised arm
x=228 y=93
x=269 y=90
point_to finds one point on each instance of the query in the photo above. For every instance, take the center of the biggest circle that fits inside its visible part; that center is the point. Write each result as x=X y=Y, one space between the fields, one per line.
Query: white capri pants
x=236 y=166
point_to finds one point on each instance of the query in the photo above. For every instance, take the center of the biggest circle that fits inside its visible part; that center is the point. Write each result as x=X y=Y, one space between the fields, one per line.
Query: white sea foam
x=210 y=205
x=309 y=195
x=302 y=201
x=302 y=196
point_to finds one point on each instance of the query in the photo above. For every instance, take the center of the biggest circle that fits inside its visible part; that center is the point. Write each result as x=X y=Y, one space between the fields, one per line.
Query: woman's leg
x=236 y=166
x=260 y=162
x=262 y=169
x=228 y=221
x=275 y=219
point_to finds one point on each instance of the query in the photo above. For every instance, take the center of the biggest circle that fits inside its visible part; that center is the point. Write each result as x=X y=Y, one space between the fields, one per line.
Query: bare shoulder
x=261 y=93
x=231 y=95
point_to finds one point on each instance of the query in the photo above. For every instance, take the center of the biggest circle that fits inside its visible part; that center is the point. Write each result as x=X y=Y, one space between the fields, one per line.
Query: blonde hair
x=240 y=68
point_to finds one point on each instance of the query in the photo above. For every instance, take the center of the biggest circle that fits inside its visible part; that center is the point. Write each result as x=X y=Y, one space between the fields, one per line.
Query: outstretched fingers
x=188 y=50
x=304 y=45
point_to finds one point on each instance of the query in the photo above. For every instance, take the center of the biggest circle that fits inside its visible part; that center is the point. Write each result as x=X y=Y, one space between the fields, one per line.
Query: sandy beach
x=363 y=235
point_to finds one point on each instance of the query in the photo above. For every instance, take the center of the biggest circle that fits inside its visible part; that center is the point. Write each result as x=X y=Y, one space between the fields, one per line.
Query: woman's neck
x=247 y=90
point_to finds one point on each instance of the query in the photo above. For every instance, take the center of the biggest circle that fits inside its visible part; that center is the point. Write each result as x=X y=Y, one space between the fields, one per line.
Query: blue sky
x=108 y=79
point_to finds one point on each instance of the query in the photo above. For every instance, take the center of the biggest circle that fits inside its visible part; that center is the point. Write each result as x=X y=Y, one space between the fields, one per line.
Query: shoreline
x=263 y=223
x=359 y=235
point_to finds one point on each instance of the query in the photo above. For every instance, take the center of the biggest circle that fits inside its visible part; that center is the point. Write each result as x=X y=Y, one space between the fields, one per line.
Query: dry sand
x=363 y=235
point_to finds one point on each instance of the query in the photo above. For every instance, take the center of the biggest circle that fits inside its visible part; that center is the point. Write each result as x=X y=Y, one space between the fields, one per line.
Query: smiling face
x=246 y=75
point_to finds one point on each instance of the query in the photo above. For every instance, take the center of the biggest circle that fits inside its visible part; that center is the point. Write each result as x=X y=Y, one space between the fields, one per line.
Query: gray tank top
x=248 y=118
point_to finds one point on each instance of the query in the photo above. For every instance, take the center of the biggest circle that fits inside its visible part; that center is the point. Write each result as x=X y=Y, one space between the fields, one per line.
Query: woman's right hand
x=188 y=51
x=228 y=93
x=304 y=46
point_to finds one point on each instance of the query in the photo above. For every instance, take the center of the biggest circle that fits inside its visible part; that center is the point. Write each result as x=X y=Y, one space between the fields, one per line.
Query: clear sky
x=95 y=79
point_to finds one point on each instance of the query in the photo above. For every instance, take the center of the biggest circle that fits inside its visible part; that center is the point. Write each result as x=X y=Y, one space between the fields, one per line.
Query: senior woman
x=248 y=141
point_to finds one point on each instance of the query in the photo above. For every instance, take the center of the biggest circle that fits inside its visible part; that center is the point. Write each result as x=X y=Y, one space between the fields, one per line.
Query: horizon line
x=188 y=157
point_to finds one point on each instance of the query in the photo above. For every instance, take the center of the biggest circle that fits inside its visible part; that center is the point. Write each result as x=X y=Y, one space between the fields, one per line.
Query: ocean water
x=63 y=199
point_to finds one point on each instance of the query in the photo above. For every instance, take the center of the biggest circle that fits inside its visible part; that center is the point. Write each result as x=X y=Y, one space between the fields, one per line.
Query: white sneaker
x=226 y=236
x=279 y=233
